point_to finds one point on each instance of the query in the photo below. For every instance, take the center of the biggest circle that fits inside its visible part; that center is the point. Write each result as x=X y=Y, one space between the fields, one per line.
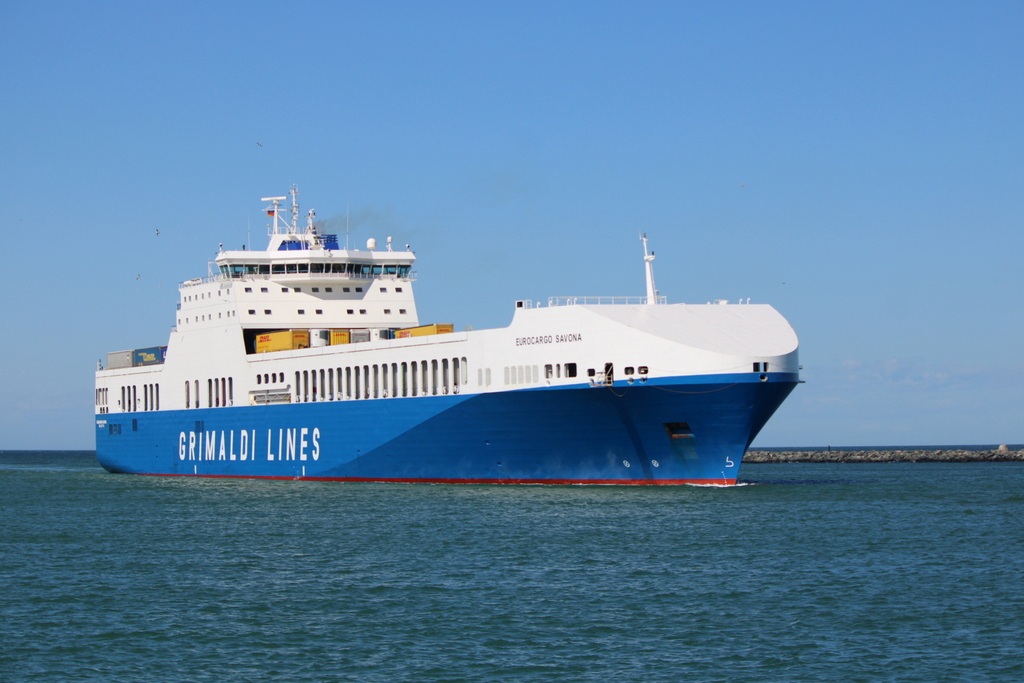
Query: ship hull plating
x=681 y=430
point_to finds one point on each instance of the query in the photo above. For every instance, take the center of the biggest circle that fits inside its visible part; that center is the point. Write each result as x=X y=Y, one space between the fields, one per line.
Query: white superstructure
x=306 y=281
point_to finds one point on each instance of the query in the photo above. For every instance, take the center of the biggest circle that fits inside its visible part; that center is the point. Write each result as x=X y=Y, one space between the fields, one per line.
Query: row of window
x=201 y=295
x=220 y=392
x=102 y=398
x=266 y=290
x=205 y=318
x=353 y=270
x=320 y=311
x=384 y=380
x=130 y=401
x=528 y=374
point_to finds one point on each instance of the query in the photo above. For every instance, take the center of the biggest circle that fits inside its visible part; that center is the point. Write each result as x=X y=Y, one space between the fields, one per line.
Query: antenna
x=346 y=226
x=294 y=192
x=652 y=293
x=274 y=210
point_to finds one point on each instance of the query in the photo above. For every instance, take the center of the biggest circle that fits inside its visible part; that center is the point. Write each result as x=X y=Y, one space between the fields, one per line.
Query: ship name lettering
x=549 y=339
x=301 y=443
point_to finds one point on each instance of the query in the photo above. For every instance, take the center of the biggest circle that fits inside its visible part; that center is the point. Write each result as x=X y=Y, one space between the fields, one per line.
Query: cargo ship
x=308 y=360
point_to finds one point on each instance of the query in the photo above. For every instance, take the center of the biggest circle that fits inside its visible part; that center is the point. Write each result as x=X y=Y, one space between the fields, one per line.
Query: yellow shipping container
x=285 y=340
x=424 y=330
x=340 y=337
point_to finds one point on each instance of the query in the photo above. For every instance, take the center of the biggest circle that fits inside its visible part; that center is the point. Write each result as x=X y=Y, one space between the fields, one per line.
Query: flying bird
x=260 y=144
x=157 y=233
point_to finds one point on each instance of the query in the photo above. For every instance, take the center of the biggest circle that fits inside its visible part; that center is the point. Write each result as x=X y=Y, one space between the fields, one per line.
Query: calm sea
x=808 y=572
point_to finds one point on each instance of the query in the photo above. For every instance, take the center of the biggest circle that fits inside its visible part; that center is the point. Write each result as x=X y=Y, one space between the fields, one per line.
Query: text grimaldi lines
x=301 y=443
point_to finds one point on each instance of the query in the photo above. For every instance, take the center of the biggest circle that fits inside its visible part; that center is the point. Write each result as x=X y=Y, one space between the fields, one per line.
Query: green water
x=895 y=572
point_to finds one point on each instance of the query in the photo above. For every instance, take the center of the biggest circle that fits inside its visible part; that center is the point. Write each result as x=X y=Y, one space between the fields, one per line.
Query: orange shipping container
x=285 y=340
x=424 y=330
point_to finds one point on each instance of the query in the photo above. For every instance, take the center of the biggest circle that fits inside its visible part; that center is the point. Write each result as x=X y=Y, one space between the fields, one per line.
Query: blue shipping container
x=152 y=356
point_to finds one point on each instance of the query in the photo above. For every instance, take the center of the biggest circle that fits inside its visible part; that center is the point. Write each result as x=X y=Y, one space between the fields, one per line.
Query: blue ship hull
x=682 y=430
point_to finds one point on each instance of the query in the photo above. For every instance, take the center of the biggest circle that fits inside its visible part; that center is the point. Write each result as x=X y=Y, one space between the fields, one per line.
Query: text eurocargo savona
x=549 y=339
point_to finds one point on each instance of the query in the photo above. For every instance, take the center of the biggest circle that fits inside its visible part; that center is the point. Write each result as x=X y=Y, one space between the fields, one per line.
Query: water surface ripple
x=810 y=572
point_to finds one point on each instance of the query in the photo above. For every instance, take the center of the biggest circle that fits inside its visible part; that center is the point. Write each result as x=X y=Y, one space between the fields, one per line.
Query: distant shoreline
x=924 y=455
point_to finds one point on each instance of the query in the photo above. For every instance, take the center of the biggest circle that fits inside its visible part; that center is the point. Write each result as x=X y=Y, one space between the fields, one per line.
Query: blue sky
x=856 y=165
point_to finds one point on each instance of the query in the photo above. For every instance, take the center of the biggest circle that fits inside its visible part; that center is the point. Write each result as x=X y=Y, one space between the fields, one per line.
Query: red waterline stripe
x=413 y=480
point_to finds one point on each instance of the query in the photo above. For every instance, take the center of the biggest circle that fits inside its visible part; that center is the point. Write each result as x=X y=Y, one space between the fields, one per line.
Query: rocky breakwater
x=1001 y=454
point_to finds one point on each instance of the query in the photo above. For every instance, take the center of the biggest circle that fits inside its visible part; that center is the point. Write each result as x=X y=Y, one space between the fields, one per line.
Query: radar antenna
x=294 y=192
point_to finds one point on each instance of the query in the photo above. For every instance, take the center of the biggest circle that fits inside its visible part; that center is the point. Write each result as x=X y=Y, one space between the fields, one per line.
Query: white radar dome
x=371 y=244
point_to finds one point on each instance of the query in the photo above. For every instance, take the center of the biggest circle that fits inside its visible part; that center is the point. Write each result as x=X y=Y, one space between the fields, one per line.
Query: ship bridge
x=306 y=254
x=303 y=280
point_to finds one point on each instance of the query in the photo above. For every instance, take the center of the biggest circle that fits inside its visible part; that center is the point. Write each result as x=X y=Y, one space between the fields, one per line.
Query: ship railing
x=601 y=300
x=292 y=276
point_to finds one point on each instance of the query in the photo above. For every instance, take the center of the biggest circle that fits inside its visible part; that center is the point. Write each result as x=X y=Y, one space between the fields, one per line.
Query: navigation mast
x=652 y=293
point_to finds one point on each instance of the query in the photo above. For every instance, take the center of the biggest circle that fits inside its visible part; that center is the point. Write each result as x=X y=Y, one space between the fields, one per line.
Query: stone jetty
x=1001 y=454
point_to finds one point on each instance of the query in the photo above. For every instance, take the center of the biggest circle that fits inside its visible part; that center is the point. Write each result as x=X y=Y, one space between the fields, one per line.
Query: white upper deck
x=303 y=279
